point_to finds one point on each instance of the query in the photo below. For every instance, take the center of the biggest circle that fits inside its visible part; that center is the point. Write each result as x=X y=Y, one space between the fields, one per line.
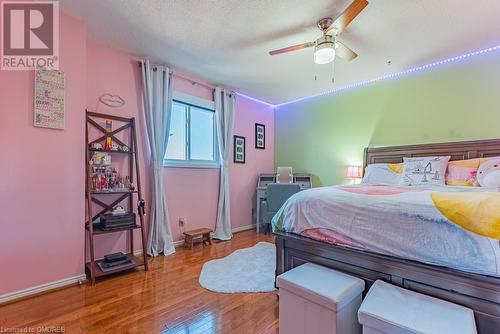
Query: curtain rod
x=211 y=87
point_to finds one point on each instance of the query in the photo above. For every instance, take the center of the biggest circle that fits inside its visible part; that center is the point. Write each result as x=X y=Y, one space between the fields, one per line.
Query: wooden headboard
x=457 y=150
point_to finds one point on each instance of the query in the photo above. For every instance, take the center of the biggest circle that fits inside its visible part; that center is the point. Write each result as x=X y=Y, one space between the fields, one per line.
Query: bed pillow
x=383 y=174
x=424 y=171
x=463 y=172
x=488 y=173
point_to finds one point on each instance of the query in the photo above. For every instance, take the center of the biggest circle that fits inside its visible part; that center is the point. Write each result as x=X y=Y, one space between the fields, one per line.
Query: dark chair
x=276 y=196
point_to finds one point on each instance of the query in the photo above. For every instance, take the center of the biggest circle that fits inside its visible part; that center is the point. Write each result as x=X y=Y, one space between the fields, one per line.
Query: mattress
x=455 y=227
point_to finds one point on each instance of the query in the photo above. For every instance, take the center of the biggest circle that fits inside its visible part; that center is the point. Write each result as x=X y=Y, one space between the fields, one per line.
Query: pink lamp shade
x=354 y=172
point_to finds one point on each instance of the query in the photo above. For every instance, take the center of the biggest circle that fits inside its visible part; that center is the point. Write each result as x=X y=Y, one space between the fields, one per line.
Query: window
x=192 y=141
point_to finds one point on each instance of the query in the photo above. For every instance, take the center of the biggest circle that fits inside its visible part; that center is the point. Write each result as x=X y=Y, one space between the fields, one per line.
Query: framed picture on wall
x=260 y=136
x=239 y=150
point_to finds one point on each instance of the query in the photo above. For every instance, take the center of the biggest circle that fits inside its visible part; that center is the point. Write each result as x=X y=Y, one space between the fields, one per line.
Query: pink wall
x=244 y=176
x=42 y=170
x=42 y=202
x=199 y=188
x=114 y=72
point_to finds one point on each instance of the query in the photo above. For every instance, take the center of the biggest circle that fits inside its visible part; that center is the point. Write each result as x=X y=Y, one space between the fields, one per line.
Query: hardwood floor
x=166 y=299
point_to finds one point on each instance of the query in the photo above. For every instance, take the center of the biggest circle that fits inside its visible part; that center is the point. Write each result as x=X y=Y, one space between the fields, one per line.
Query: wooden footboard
x=478 y=292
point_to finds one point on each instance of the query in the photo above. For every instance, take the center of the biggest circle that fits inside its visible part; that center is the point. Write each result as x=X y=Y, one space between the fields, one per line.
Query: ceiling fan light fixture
x=324 y=51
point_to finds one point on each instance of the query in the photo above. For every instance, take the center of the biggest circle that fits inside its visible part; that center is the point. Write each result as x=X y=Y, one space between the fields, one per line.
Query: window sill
x=187 y=164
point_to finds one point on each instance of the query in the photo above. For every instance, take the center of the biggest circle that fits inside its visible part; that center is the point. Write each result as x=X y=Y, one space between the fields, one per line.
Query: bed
x=467 y=270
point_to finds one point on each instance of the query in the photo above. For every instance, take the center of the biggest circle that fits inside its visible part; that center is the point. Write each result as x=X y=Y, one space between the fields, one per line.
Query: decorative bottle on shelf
x=109 y=143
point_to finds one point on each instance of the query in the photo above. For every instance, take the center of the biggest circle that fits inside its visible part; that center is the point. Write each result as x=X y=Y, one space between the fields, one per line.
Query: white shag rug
x=245 y=270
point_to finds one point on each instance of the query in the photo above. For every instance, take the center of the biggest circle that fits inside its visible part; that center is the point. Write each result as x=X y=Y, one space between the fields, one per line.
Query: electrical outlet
x=182 y=221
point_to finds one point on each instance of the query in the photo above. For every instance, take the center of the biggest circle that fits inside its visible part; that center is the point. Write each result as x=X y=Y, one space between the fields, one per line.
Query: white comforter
x=416 y=223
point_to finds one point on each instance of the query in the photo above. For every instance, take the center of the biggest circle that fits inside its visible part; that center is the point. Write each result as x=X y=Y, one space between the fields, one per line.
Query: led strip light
x=256 y=100
x=384 y=77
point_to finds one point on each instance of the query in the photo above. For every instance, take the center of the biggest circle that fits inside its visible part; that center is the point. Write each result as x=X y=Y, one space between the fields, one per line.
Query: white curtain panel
x=157 y=98
x=224 y=116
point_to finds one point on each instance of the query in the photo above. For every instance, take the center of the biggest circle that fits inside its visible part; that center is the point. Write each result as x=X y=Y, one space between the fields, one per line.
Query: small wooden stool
x=203 y=233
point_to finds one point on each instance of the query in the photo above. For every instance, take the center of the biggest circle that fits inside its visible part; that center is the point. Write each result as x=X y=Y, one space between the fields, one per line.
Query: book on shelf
x=111 y=227
x=115 y=257
x=106 y=268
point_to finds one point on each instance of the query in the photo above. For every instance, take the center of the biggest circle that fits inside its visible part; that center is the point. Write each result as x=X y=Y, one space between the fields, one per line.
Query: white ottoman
x=391 y=309
x=314 y=299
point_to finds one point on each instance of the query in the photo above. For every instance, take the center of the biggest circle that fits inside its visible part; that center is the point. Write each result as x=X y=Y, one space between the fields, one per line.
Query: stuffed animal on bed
x=488 y=174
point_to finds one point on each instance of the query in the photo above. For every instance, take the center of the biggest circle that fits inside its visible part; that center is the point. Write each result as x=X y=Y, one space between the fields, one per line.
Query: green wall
x=458 y=101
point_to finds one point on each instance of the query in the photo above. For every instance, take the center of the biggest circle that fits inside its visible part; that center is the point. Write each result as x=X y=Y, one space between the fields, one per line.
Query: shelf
x=113 y=192
x=111 y=151
x=96 y=132
x=138 y=261
x=97 y=231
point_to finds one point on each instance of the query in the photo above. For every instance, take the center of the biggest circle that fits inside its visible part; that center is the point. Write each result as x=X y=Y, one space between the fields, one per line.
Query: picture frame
x=260 y=136
x=239 y=149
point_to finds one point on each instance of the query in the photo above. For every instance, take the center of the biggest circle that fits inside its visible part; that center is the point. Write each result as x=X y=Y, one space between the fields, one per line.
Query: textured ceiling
x=227 y=41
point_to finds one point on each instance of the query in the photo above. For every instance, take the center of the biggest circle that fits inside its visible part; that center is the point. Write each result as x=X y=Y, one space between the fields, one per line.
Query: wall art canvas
x=49 y=99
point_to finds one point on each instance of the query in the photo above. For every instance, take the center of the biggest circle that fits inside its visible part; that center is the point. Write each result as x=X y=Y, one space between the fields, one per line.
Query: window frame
x=205 y=105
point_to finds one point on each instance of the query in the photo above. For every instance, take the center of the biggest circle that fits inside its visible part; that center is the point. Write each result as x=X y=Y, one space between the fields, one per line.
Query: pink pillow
x=463 y=172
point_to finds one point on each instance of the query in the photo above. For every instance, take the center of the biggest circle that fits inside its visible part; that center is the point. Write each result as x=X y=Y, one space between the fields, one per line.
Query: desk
x=303 y=179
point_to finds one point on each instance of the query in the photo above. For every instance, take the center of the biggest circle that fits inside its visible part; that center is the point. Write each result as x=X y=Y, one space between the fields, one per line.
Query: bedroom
x=422 y=83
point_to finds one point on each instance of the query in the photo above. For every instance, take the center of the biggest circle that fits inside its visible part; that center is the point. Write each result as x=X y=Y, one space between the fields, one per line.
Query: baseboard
x=42 y=288
x=179 y=243
x=243 y=228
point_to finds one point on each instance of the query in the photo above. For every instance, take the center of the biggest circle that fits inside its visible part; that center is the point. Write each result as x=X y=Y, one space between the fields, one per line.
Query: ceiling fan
x=327 y=46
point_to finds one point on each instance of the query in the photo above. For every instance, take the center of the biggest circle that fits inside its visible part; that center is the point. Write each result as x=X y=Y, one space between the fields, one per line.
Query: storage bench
x=314 y=299
x=391 y=309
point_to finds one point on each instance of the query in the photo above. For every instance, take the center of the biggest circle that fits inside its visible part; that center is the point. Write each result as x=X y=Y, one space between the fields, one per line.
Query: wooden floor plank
x=166 y=299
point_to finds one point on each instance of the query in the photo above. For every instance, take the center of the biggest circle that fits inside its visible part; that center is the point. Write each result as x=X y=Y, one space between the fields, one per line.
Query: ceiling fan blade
x=347 y=16
x=292 y=48
x=344 y=52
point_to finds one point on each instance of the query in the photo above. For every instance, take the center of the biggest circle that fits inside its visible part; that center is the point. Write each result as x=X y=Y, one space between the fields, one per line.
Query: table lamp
x=355 y=173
